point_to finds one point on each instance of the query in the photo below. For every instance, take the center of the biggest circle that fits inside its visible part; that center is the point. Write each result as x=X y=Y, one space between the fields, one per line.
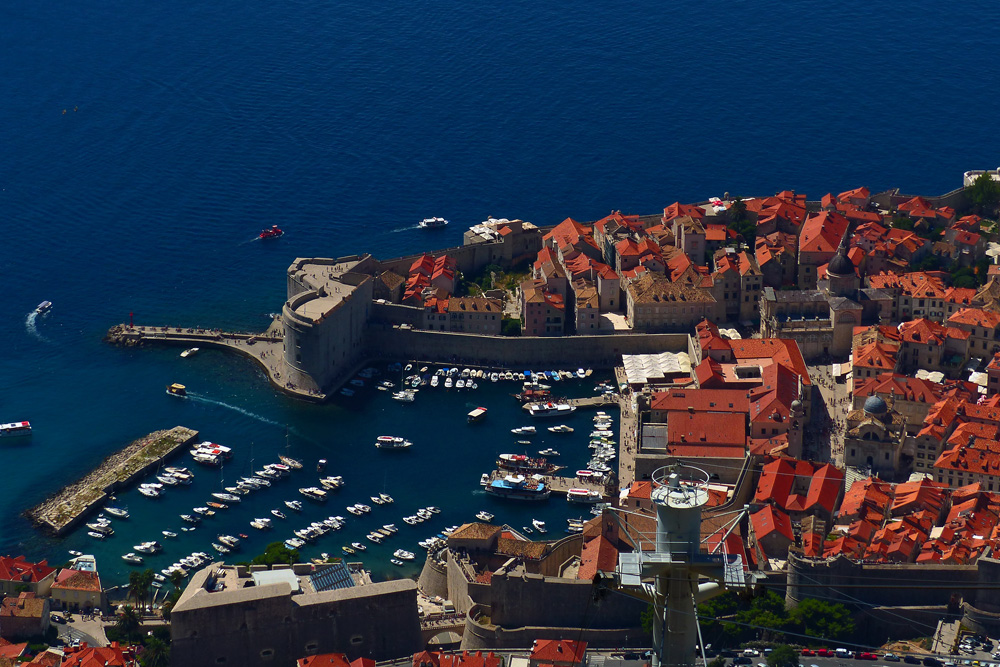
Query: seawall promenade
x=67 y=508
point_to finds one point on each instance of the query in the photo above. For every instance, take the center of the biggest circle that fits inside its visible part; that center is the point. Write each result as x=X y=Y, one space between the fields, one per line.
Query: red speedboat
x=272 y=233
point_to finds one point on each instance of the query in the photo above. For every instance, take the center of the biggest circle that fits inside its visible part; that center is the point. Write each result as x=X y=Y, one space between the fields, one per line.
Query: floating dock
x=67 y=508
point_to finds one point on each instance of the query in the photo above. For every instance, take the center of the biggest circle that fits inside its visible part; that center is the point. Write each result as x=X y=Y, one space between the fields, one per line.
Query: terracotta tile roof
x=856 y=193
x=640 y=490
x=598 y=554
x=866 y=499
x=77 y=580
x=964 y=295
x=24 y=605
x=775 y=482
x=923 y=331
x=655 y=289
x=558 y=651
x=522 y=548
x=10 y=650
x=975 y=317
x=706 y=429
x=702 y=400
x=99 y=656
x=822 y=233
x=20 y=570
x=678 y=209
x=770 y=520
x=782 y=351
x=876 y=355
x=336 y=659
x=825 y=487
x=475 y=531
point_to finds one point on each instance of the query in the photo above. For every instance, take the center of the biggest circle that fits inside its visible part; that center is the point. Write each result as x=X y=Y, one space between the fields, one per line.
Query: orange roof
x=77 y=580
x=822 y=232
x=98 y=656
x=558 y=651
x=770 y=520
x=640 y=490
x=706 y=429
x=701 y=400
x=598 y=554
x=782 y=351
x=876 y=355
x=19 y=570
x=976 y=317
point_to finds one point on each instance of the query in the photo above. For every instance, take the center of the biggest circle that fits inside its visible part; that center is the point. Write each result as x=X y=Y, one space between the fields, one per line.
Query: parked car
x=932 y=662
x=825 y=653
x=911 y=659
x=807 y=652
x=890 y=657
x=58 y=618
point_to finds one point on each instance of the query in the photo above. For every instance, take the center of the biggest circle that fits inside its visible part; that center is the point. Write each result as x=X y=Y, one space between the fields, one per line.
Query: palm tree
x=146 y=579
x=128 y=623
x=135 y=590
x=177 y=578
x=156 y=654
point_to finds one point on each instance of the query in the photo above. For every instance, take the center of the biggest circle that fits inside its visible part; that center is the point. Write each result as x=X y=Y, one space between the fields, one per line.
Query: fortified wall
x=269 y=625
x=878 y=584
x=515 y=352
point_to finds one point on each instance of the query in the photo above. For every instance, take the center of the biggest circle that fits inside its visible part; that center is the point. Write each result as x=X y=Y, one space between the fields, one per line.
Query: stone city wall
x=515 y=352
x=869 y=584
x=485 y=635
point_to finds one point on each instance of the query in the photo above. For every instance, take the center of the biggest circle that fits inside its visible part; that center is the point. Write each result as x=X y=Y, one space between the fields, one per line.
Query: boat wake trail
x=256 y=238
x=405 y=229
x=30 y=323
x=252 y=415
x=235 y=408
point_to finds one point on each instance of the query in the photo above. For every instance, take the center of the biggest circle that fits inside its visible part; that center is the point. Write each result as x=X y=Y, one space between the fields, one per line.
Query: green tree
x=276 y=552
x=783 y=656
x=768 y=613
x=510 y=326
x=155 y=654
x=135 y=586
x=717 y=661
x=177 y=578
x=901 y=222
x=146 y=579
x=984 y=195
x=819 y=618
x=128 y=623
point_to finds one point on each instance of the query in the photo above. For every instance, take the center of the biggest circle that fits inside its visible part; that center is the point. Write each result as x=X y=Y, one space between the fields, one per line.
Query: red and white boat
x=15 y=430
x=583 y=496
x=272 y=233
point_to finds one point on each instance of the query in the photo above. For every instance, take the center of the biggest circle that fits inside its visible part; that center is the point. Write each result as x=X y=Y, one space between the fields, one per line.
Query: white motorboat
x=448 y=382
x=396 y=561
x=402 y=554
x=279 y=514
x=43 y=307
x=168 y=533
x=386 y=497
x=189 y=352
x=294 y=505
x=549 y=409
x=460 y=384
x=523 y=430
x=359 y=546
x=314 y=493
x=226 y=497
x=117 y=512
x=578 y=495
x=548 y=451
x=132 y=558
x=539 y=525
x=562 y=428
x=434 y=380
x=484 y=516
x=432 y=223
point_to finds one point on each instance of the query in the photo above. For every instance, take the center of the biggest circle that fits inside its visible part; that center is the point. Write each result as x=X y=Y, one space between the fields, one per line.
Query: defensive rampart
x=515 y=352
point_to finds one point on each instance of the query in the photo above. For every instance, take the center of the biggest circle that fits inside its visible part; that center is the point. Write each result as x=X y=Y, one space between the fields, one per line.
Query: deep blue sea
x=146 y=144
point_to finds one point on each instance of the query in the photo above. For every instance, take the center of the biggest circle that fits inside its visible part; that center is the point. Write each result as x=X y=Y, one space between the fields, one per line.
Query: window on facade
x=356 y=640
x=853 y=453
x=267 y=654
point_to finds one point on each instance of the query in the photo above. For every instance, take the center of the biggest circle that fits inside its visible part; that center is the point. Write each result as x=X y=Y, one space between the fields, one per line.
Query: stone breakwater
x=64 y=510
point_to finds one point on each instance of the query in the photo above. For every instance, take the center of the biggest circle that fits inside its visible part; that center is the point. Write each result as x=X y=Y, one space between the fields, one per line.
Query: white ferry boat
x=518 y=487
x=549 y=409
x=43 y=307
x=392 y=442
x=15 y=430
x=431 y=223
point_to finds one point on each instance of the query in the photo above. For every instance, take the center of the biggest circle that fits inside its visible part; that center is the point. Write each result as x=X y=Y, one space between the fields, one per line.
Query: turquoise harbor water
x=188 y=127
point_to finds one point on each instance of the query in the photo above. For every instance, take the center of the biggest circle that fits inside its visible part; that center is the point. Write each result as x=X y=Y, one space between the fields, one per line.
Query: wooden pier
x=67 y=508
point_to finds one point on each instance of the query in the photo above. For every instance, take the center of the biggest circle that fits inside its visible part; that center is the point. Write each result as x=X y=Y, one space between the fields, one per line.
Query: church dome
x=796 y=404
x=840 y=265
x=874 y=405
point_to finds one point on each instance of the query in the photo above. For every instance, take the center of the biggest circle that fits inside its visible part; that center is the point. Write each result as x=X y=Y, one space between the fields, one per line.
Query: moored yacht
x=392 y=442
x=549 y=409
x=15 y=430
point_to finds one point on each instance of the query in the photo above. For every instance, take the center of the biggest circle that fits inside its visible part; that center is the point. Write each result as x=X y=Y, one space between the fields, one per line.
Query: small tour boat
x=190 y=351
x=432 y=223
x=177 y=389
x=43 y=307
x=392 y=442
x=476 y=415
x=562 y=428
x=274 y=232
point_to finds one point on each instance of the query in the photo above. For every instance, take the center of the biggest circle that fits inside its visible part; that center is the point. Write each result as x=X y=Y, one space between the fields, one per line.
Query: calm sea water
x=145 y=145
